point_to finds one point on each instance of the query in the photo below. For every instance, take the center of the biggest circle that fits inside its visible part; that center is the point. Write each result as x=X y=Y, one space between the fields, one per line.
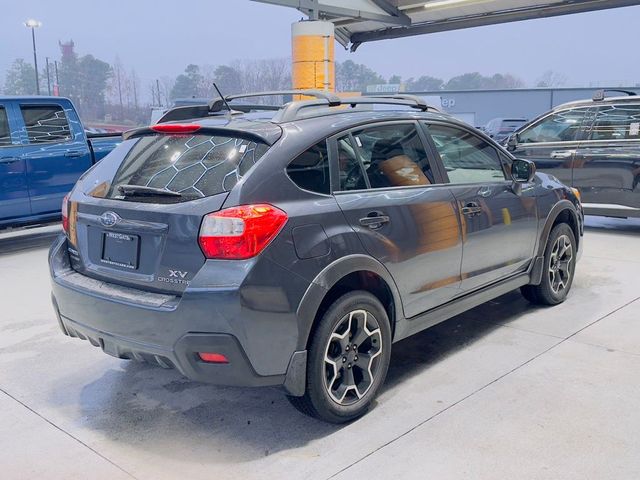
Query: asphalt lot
x=506 y=390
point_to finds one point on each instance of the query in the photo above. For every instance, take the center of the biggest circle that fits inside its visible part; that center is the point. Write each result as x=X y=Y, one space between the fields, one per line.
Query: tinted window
x=557 y=127
x=5 y=133
x=45 y=123
x=617 y=123
x=351 y=171
x=195 y=166
x=310 y=170
x=393 y=156
x=466 y=157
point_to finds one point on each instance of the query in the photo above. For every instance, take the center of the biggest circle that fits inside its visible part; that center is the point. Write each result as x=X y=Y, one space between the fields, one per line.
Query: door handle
x=471 y=208
x=9 y=160
x=560 y=154
x=74 y=153
x=374 y=220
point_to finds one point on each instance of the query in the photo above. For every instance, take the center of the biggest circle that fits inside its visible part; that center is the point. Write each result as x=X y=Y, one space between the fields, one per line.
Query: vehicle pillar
x=313 y=56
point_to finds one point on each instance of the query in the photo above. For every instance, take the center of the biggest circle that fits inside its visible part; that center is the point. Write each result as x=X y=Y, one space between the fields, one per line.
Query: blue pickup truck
x=43 y=151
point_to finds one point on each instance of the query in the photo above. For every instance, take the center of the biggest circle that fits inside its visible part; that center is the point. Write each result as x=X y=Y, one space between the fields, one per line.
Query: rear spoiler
x=254 y=136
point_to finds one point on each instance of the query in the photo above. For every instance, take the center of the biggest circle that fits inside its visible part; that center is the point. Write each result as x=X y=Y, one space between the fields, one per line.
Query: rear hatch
x=135 y=218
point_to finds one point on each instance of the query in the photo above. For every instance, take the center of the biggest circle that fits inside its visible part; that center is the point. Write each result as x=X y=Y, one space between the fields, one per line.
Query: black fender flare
x=331 y=275
x=558 y=208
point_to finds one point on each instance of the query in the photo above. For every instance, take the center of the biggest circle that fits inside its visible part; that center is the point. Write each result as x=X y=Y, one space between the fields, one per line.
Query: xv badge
x=177 y=274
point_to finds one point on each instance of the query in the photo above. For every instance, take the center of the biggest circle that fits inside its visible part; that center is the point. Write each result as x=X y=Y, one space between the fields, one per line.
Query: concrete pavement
x=505 y=390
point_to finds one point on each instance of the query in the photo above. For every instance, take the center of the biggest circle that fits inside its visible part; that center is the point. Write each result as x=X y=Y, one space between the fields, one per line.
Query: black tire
x=557 y=274
x=319 y=401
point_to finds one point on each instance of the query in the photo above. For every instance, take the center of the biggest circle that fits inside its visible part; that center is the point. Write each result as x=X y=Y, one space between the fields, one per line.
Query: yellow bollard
x=313 y=57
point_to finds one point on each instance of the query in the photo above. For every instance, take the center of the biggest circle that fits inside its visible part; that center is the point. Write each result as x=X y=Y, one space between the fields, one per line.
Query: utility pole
x=56 y=86
x=158 y=89
x=48 y=78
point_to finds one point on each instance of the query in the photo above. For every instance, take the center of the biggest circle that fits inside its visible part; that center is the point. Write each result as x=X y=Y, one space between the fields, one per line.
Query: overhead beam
x=530 y=13
x=328 y=11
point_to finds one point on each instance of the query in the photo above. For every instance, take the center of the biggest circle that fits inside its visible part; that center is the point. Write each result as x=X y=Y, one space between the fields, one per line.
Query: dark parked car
x=44 y=149
x=293 y=250
x=500 y=128
x=592 y=145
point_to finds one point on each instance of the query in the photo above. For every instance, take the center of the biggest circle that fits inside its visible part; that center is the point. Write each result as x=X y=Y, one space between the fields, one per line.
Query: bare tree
x=551 y=79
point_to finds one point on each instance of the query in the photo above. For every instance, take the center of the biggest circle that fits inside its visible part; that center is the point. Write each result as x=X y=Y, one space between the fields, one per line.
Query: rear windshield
x=194 y=166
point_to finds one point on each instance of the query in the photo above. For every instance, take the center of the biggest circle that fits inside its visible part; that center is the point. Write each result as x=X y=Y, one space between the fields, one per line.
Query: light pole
x=33 y=24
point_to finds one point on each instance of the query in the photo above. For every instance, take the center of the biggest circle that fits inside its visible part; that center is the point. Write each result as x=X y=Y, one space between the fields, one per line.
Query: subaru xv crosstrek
x=292 y=248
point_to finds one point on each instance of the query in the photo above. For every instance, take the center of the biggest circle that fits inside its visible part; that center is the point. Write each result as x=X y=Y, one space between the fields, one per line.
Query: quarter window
x=466 y=157
x=393 y=156
x=45 y=124
x=5 y=132
x=558 y=127
x=352 y=176
x=310 y=170
x=616 y=122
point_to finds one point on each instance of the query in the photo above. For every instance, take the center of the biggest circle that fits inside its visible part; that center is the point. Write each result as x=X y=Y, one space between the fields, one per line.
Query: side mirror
x=522 y=171
x=512 y=142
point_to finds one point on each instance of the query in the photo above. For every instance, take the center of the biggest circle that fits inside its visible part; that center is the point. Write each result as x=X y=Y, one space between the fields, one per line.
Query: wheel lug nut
x=344 y=359
x=356 y=357
x=349 y=366
x=347 y=349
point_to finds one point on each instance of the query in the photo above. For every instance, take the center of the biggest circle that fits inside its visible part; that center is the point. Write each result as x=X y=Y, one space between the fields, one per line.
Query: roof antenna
x=224 y=100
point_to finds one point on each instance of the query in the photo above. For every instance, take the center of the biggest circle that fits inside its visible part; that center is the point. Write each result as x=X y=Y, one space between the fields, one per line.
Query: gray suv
x=592 y=145
x=291 y=248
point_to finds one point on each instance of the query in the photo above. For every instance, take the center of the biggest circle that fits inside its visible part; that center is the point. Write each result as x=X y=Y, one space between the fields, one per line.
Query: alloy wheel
x=351 y=357
x=560 y=263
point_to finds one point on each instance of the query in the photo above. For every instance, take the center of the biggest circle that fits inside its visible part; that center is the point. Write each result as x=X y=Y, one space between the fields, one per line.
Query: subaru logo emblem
x=109 y=219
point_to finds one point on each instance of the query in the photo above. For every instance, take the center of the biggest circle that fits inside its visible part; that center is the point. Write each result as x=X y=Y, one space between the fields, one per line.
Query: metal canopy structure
x=360 y=21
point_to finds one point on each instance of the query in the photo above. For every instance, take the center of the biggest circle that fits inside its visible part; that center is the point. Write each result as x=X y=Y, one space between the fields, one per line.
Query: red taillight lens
x=65 y=214
x=175 y=128
x=213 y=357
x=240 y=232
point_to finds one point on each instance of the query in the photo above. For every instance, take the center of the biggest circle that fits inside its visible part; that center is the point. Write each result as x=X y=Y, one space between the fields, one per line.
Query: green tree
x=395 y=79
x=69 y=76
x=476 y=81
x=188 y=84
x=351 y=76
x=424 y=84
x=92 y=84
x=228 y=79
x=20 y=78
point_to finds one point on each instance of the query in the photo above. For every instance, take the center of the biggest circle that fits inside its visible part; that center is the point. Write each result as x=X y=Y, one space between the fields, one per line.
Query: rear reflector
x=65 y=214
x=175 y=128
x=213 y=357
x=240 y=232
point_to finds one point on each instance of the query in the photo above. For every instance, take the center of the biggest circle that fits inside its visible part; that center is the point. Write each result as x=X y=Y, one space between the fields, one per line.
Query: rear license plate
x=120 y=249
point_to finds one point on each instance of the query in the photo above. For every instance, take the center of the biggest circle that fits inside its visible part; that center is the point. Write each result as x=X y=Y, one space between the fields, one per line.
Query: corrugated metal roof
x=360 y=21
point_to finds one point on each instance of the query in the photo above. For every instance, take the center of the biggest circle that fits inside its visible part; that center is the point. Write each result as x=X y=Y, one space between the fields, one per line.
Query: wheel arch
x=352 y=272
x=562 y=212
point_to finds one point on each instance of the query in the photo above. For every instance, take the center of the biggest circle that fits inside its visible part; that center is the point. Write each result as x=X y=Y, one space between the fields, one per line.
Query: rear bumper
x=169 y=331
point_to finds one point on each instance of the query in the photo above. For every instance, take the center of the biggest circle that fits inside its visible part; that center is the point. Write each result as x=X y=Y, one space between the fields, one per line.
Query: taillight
x=65 y=214
x=240 y=232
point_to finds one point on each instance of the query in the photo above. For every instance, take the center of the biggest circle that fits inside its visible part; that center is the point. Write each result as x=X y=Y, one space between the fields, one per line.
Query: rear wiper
x=142 y=191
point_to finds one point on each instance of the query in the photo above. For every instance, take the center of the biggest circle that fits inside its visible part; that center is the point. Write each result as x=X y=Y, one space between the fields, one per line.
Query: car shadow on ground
x=622 y=226
x=13 y=241
x=140 y=403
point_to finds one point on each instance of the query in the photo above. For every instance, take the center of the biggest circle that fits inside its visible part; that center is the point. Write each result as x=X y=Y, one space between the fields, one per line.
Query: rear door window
x=5 y=131
x=561 y=126
x=194 y=166
x=393 y=156
x=616 y=122
x=45 y=123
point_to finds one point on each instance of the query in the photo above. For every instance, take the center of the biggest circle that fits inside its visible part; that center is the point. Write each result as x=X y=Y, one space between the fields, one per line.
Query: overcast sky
x=160 y=37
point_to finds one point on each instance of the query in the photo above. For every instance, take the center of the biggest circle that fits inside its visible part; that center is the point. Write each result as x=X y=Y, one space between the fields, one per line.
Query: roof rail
x=292 y=110
x=600 y=95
